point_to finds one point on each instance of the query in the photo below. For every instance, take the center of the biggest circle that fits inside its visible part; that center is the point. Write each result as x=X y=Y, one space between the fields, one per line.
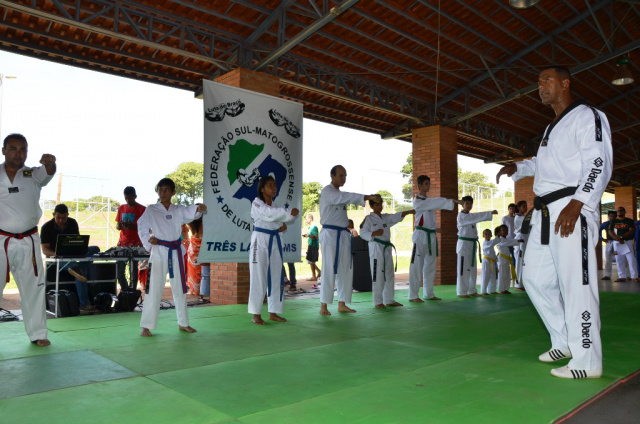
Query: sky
x=109 y=132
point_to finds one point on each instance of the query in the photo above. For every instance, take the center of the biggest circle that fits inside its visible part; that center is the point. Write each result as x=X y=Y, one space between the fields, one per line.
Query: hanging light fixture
x=523 y=4
x=623 y=74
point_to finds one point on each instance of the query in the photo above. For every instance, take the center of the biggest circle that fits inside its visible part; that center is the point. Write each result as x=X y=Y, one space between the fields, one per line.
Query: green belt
x=429 y=232
x=473 y=261
x=384 y=259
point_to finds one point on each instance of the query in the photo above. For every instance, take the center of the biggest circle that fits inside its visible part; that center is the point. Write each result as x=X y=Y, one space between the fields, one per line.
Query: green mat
x=454 y=361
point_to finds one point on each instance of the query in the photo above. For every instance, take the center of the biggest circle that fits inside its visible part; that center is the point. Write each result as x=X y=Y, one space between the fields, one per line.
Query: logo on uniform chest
x=168 y=216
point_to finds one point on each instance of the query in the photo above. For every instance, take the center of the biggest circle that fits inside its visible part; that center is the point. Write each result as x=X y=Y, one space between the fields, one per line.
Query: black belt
x=540 y=203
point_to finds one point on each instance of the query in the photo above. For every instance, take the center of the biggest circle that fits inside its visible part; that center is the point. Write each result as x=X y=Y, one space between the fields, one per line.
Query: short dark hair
x=422 y=179
x=334 y=170
x=61 y=209
x=511 y=205
x=129 y=190
x=563 y=72
x=613 y=213
x=497 y=230
x=520 y=203
x=372 y=202
x=166 y=182
x=195 y=225
x=622 y=207
x=14 y=136
x=467 y=199
x=263 y=182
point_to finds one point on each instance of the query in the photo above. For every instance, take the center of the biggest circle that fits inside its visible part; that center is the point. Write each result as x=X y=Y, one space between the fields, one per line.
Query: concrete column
x=435 y=151
x=230 y=281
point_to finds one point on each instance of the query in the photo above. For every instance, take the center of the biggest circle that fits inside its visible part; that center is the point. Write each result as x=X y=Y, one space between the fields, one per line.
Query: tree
x=189 y=180
x=310 y=196
x=387 y=198
x=474 y=179
x=407 y=170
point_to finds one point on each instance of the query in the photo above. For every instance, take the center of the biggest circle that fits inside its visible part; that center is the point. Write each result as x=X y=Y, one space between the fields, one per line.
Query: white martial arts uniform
x=381 y=255
x=19 y=213
x=333 y=213
x=609 y=256
x=518 y=251
x=625 y=259
x=504 y=263
x=467 y=251
x=509 y=221
x=165 y=225
x=261 y=260
x=488 y=276
x=422 y=269
x=576 y=152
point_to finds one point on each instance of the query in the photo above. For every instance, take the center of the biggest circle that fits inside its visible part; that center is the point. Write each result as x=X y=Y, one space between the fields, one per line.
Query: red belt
x=20 y=236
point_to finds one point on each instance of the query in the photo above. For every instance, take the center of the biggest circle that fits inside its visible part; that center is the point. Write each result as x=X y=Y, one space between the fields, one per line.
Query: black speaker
x=68 y=305
x=102 y=271
x=362 y=280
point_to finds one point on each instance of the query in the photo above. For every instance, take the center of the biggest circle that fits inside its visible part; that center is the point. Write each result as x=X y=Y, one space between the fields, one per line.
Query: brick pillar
x=230 y=281
x=523 y=190
x=435 y=151
x=627 y=197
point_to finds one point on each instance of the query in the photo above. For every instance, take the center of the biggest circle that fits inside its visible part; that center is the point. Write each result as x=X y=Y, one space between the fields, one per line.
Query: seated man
x=62 y=224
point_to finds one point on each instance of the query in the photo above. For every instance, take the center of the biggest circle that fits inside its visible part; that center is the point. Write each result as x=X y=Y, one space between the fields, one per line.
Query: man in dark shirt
x=622 y=231
x=62 y=224
x=608 y=250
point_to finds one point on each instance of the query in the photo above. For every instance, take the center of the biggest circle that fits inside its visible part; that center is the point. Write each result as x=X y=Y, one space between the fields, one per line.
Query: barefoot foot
x=434 y=298
x=342 y=307
x=395 y=304
x=188 y=329
x=464 y=296
x=276 y=317
x=381 y=306
x=257 y=319
x=416 y=300
x=146 y=333
x=324 y=310
x=42 y=342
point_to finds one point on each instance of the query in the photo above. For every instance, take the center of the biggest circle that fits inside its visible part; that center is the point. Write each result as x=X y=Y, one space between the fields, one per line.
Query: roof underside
x=379 y=66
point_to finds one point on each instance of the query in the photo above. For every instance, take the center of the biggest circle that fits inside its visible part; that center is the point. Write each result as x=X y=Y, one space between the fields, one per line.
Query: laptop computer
x=72 y=246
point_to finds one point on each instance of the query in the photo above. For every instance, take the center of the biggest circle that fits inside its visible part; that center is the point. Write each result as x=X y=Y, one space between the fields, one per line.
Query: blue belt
x=175 y=245
x=273 y=234
x=429 y=232
x=335 y=227
x=384 y=259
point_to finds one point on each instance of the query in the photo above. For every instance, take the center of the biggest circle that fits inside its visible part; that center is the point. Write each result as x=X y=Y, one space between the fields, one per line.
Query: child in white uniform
x=489 y=273
x=376 y=229
x=466 y=247
x=159 y=228
x=422 y=270
x=266 y=274
x=518 y=251
x=504 y=259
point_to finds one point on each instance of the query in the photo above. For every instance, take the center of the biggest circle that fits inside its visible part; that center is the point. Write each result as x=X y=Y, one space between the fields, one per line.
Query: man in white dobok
x=571 y=171
x=335 y=240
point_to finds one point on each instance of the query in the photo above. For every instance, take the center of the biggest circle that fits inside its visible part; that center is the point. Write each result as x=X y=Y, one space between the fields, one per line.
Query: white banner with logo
x=247 y=136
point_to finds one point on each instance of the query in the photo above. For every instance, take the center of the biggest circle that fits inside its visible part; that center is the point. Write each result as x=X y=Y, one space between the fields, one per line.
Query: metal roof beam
x=533 y=87
x=579 y=18
x=306 y=33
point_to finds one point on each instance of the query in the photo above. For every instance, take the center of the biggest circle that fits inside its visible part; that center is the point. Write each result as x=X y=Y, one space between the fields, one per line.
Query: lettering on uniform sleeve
x=593 y=175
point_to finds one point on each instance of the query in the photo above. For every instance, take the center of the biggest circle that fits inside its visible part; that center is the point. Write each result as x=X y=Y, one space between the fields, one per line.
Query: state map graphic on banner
x=248 y=136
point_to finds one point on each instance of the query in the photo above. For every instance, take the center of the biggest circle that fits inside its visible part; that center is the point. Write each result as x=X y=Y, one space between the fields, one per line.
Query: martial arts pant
x=553 y=277
x=151 y=305
x=382 y=274
x=609 y=255
x=518 y=253
x=344 y=278
x=488 y=276
x=627 y=262
x=258 y=267
x=30 y=286
x=467 y=270
x=504 y=273
x=422 y=270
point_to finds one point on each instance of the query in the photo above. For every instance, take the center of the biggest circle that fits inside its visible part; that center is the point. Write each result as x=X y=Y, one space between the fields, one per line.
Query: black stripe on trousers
x=375 y=268
x=585 y=250
x=413 y=253
x=461 y=264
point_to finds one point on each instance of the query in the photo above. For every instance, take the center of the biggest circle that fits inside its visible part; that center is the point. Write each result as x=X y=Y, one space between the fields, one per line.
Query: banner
x=247 y=136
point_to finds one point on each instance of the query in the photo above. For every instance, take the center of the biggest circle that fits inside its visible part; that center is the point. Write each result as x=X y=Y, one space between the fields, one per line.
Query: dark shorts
x=312 y=254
